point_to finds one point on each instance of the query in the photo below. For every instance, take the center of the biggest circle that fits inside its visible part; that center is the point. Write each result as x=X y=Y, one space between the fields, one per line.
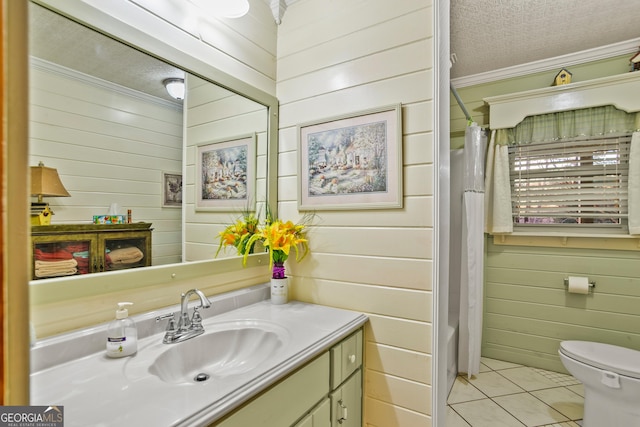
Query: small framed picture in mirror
x=172 y=190
x=226 y=174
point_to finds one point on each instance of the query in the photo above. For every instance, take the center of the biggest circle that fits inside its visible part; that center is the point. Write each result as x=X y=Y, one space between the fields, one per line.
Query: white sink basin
x=225 y=349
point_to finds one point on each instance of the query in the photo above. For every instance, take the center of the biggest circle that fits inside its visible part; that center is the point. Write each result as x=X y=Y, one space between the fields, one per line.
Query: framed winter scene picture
x=226 y=174
x=352 y=161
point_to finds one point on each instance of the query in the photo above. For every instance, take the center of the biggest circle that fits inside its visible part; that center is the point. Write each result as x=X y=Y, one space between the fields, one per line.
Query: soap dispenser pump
x=122 y=334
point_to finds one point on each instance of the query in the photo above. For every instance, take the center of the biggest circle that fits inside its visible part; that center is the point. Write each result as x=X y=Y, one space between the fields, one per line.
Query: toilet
x=611 y=379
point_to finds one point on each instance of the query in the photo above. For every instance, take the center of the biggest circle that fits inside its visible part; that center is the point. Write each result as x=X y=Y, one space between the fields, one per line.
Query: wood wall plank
x=407 y=394
x=382 y=414
x=410 y=334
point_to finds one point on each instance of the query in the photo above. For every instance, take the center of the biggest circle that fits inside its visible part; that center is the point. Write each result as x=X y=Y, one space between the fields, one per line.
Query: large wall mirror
x=101 y=115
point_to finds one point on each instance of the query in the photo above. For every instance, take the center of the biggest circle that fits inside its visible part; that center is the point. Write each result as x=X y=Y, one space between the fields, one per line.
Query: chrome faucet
x=185 y=328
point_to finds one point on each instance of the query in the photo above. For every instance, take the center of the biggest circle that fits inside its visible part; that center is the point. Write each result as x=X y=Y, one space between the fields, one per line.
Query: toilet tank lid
x=620 y=360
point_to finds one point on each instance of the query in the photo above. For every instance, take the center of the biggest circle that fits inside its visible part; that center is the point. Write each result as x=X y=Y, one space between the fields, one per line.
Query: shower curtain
x=472 y=252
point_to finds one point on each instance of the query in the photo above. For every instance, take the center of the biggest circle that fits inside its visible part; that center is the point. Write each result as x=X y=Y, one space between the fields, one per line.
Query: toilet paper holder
x=592 y=284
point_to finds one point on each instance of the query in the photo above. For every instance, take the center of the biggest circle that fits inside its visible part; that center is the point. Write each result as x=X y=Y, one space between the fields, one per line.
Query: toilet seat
x=620 y=360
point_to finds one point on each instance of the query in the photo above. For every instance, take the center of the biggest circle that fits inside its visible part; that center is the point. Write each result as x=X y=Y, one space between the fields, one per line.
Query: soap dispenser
x=122 y=334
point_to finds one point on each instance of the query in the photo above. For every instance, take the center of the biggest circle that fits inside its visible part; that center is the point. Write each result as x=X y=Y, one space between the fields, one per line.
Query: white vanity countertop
x=99 y=391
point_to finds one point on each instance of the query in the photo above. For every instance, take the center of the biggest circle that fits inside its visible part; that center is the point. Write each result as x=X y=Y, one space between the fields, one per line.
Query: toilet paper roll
x=578 y=285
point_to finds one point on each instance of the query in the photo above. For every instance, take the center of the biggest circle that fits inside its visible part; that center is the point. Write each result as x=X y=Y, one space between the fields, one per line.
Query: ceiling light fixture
x=175 y=87
x=223 y=8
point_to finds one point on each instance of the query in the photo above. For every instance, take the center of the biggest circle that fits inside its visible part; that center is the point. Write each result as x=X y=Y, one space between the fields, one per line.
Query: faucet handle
x=171 y=326
x=196 y=320
x=171 y=330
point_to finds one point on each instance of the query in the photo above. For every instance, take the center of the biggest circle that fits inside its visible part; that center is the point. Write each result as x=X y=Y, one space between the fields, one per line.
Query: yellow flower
x=238 y=234
x=277 y=236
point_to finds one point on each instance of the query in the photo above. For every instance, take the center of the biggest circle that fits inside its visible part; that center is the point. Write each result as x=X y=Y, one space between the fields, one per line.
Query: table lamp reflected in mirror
x=44 y=182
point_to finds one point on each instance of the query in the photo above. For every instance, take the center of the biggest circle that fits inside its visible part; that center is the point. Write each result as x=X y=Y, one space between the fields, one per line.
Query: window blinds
x=571 y=181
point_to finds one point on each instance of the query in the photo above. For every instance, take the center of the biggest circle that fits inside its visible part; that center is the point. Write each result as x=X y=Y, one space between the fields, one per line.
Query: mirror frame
x=157 y=43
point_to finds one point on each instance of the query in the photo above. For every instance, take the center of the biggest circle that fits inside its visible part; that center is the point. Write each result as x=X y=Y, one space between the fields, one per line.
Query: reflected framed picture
x=352 y=161
x=226 y=174
x=171 y=190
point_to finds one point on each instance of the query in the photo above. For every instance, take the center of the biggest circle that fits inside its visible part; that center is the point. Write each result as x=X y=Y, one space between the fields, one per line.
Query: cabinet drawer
x=346 y=357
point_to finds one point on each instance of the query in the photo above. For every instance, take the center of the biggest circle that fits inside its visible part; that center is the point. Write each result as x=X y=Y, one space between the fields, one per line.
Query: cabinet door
x=58 y=256
x=287 y=401
x=346 y=403
x=123 y=250
x=320 y=416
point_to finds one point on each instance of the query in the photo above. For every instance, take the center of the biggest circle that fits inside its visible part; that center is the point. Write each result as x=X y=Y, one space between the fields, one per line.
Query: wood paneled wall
x=215 y=114
x=528 y=310
x=339 y=57
x=109 y=145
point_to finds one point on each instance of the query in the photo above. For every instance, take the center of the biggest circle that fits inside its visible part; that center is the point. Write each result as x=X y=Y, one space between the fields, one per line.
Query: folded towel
x=45 y=272
x=129 y=255
x=59 y=254
x=62 y=264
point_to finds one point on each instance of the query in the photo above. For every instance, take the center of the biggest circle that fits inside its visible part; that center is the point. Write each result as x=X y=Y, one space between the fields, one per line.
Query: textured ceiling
x=487 y=35
x=57 y=39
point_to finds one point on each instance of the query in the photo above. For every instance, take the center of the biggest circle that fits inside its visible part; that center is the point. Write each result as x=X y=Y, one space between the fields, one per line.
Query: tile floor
x=504 y=394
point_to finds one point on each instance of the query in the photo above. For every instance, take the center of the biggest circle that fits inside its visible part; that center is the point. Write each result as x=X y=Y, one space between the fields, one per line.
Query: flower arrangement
x=239 y=233
x=277 y=236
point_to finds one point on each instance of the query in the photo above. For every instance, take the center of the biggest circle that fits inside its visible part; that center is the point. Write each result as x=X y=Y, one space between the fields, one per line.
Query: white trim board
x=604 y=52
x=510 y=109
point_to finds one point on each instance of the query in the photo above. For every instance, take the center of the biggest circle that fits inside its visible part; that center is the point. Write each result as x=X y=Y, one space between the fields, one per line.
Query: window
x=576 y=182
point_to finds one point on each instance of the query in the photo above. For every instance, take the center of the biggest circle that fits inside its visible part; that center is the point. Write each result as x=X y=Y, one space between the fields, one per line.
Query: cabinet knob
x=352 y=358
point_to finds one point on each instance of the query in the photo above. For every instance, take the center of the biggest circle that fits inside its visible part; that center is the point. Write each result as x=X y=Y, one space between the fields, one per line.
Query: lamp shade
x=46 y=182
x=175 y=87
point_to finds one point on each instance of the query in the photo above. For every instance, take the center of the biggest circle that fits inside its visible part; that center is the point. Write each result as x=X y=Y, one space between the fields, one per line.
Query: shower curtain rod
x=461 y=104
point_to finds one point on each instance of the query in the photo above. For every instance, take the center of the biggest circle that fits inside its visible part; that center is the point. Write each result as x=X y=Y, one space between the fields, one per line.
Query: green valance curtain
x=582 y=123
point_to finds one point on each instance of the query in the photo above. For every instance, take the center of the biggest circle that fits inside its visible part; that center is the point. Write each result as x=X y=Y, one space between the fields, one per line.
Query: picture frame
x=171 y=189
x=226 y=174
x=353 y=161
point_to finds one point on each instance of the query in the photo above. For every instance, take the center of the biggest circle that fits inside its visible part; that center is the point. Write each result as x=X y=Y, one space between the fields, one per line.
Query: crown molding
x=564 y=61
x=41 y=64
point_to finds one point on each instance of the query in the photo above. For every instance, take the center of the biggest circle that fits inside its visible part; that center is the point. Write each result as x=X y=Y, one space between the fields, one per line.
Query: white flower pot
x=280 y=291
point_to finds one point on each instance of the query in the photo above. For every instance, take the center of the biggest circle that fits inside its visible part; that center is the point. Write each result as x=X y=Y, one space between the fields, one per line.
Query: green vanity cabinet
x=326 y=392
